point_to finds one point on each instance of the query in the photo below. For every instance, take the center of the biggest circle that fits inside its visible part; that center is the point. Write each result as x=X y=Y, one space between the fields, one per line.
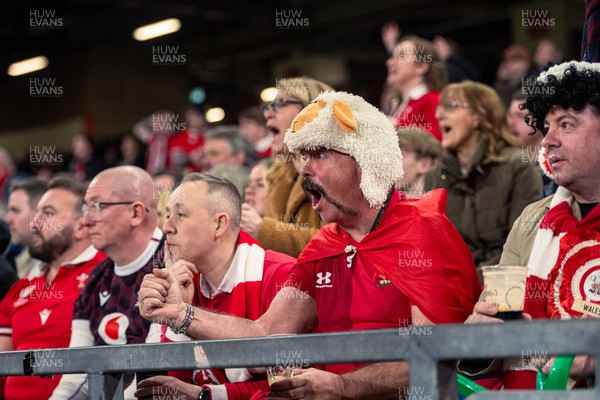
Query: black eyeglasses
x=277 y=105
x=96 y=206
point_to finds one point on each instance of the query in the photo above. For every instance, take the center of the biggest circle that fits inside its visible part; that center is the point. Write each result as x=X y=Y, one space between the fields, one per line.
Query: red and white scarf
x=565 y=263
x=563 y=275
x=544 y=252
x=243 y=281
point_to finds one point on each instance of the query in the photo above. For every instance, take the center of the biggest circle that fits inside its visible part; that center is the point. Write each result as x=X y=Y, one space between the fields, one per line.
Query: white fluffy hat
x=348 y=124
x=560 y=70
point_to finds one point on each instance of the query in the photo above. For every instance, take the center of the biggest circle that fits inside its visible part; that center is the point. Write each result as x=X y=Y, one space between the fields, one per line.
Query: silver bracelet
x=187 y=320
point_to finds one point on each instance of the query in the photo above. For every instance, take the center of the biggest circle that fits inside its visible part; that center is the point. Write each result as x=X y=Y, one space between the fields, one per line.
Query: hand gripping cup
x=504 y=287
x=278 y=373
x=281 y=370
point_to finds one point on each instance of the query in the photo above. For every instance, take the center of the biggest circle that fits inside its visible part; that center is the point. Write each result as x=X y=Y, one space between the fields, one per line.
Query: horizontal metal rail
x=431 y=353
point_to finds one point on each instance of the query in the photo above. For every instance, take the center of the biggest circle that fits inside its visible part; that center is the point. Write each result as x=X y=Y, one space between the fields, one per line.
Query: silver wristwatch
x=187 y=320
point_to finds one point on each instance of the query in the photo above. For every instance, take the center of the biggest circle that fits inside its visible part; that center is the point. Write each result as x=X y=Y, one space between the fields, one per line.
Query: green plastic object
x=467 y=387
x=555 y=380
x=559 y=374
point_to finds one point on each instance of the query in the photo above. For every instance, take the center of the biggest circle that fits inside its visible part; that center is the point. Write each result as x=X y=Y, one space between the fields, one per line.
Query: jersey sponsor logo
x=82 y=279
x=44 y=314
x=113 y=328
x=104 y=296
x=323 y=280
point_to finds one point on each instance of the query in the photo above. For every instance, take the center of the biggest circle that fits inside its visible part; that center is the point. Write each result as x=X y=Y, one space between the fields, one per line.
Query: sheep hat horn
x=348 y=124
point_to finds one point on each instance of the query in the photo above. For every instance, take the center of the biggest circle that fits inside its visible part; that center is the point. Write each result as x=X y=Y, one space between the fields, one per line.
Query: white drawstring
x=350 y=249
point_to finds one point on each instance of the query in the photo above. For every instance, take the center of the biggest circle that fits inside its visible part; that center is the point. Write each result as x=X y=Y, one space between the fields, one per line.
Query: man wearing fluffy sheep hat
x=384 y=261
x=379 y=261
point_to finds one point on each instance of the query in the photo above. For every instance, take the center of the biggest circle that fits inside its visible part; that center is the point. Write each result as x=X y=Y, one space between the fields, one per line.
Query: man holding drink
x=384 y=261
x=558 y=238
x=505 y=289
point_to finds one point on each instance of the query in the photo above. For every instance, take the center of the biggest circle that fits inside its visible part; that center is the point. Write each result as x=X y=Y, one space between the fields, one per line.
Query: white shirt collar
x=84 y=256
x=142 y=259
x=418 y=91
x=39 y=267
x=227 y=283
x=264 y=143
x=413 y=94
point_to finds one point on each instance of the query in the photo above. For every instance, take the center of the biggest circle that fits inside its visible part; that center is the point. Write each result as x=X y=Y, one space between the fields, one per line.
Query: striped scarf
x=563 y=279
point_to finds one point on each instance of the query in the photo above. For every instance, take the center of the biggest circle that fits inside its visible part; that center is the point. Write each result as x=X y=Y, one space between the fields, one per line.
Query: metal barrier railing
x=430 y=352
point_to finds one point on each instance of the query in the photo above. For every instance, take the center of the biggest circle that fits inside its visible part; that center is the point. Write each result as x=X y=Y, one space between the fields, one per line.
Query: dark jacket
x=484 y=204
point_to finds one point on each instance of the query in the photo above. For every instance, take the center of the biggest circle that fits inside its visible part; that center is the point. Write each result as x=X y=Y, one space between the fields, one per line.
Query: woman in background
x=256 y=190
x=417 y=74
x=482 y=170
x=289 y=221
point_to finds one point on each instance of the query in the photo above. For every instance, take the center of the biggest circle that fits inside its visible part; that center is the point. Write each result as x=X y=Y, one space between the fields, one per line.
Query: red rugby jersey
x=37 y=315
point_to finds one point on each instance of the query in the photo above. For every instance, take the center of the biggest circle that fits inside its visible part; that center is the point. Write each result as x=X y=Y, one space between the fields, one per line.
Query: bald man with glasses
x=119 y=210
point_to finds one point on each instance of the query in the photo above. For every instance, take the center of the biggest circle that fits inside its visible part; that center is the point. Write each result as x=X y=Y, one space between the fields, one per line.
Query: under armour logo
x=323 y=279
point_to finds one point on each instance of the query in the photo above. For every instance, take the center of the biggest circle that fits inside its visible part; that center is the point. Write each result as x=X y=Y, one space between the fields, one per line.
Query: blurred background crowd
x=90 y=86
x=213 y=95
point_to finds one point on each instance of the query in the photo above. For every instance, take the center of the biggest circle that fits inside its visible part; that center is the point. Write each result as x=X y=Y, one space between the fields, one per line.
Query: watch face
x=205 y=394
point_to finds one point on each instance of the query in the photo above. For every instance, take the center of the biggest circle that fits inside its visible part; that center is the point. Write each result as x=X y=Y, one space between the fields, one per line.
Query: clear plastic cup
x=278 y=373
x=504 y=287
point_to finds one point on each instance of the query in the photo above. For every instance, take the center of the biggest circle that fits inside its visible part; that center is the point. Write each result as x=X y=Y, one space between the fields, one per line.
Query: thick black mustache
x=308 y=184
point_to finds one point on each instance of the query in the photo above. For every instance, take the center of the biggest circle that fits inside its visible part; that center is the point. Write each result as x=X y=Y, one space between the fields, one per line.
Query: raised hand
x=250 y=220
x=390 y=33
x=183 y=272
x=160 y=298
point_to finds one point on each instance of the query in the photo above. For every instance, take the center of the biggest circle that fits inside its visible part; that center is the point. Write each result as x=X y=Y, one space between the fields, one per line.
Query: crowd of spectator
x=312 y=183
